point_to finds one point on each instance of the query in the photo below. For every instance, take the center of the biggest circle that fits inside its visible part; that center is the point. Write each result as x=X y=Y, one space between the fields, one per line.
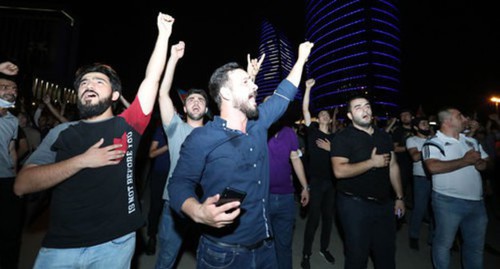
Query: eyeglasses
x=7 y=87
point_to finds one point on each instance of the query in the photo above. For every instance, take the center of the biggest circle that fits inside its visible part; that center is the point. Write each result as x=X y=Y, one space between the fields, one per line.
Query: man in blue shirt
x=231 y=151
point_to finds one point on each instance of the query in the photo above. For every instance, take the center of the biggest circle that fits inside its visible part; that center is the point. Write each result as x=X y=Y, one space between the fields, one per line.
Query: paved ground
x=405 y=257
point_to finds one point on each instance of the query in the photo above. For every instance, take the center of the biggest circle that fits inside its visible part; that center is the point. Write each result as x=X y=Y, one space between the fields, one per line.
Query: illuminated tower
x=357 y=50
x=278 y=62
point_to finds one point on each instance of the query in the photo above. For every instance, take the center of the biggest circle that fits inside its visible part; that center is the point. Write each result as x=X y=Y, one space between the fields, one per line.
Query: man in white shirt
x=454 y=160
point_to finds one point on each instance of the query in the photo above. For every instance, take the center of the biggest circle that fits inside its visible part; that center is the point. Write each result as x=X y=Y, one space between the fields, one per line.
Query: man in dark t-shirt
x=321 y=181
x=90 y=166
x=363 y=163
x=399 y=136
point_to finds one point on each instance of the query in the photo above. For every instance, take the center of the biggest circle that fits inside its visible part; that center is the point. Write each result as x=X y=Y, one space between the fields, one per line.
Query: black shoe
x=414 y=243
x=151 y=246
x=328 y=256
x=305 y=262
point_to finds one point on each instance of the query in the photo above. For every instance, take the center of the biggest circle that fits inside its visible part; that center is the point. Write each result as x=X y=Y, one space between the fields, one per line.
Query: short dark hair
x=197 y=91
x=219 y=78
x=353 y=97
x=105 y=69
x=416 y=121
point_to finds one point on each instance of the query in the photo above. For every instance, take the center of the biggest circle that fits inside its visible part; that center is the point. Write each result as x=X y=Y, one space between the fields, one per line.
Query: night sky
x=450 y=49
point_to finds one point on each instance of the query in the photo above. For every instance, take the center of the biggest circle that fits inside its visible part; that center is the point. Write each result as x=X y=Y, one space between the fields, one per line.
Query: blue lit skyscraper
x=278 y=62
x=357 y=50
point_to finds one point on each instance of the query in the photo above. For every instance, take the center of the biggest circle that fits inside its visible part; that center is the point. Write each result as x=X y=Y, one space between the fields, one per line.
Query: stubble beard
x=250 y=111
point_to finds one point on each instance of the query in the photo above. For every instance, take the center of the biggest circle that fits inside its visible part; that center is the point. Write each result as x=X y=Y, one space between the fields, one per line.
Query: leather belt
x=366 y=198
x=245 y=247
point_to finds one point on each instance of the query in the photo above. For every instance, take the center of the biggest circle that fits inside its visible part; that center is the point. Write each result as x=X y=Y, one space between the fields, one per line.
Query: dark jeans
x=321 y=206
x=282 y=215
x=369 y=228
x=11 y=224
x=210 y=255
x=422 y=189
x=156 y=186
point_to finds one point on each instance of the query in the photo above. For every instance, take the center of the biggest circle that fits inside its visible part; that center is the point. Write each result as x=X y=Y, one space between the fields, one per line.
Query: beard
x=249 y=111
x=195 y=117
x=90 y=111
x=424 y=132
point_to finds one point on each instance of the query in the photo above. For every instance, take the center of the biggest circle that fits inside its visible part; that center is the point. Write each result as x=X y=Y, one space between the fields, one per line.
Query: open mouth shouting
x=195 y=109
x=88 y=95
x=252 y=99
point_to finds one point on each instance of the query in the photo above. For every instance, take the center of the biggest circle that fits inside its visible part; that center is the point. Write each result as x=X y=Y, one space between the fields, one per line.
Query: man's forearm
x=191 y=207
x=33 y=178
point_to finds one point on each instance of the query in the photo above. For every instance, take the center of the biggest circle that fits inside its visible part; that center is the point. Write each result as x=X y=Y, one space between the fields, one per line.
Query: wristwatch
x=401 y=198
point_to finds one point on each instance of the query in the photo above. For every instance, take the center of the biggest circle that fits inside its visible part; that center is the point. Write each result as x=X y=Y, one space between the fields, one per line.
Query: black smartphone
x=230 y=195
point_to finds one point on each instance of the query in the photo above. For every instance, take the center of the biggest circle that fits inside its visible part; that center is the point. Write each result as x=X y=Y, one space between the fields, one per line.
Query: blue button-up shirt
x=215 y=157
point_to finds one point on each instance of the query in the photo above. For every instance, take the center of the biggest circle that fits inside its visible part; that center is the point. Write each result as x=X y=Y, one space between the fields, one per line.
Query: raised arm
x=305 y=101
x=124 y=101
x=296 y=73
x=9 y=68
x=53 y=110
x=390 y=124
x=334 y=119
x=167 y=109
x=149 y=86
x=253 y=66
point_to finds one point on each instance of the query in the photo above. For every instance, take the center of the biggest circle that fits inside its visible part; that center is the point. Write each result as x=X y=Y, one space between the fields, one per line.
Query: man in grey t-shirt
x=171 y=227
x=10 y=204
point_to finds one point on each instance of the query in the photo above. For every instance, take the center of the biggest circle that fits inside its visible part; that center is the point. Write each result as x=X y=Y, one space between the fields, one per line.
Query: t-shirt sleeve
x=410 y=143
x=432 y=150
x=134 y=116
x=338 y=147
x=44 y=153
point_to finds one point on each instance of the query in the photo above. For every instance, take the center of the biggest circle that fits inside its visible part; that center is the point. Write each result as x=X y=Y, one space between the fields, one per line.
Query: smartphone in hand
x=230 y=195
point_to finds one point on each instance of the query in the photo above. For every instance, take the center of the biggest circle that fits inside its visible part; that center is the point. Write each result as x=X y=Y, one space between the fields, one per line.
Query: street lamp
x=495 y=100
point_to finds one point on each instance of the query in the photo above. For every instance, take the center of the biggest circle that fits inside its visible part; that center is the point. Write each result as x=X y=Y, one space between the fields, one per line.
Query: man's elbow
x=20 y=186
x=19 y=189
x=338 y=173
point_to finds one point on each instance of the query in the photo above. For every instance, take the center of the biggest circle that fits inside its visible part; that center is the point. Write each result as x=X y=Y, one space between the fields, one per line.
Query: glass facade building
x=278 y=62
x=357 y=50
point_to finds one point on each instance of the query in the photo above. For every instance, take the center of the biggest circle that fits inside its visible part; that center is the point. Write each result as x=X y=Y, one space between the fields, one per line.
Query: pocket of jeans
x=217 y=258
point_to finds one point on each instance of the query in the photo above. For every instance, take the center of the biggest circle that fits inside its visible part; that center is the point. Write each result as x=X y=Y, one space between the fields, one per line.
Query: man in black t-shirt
x=399 y=136
x=321 y=181
x=90 y=166
x=367 y=173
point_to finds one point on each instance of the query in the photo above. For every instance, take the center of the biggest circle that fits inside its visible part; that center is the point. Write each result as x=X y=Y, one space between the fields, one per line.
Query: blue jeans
x=422 y=189
x=369 y=228
x=170 y=233
x=282 y=216
x=116 y=253
x=212 y=256
x=450 y=214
